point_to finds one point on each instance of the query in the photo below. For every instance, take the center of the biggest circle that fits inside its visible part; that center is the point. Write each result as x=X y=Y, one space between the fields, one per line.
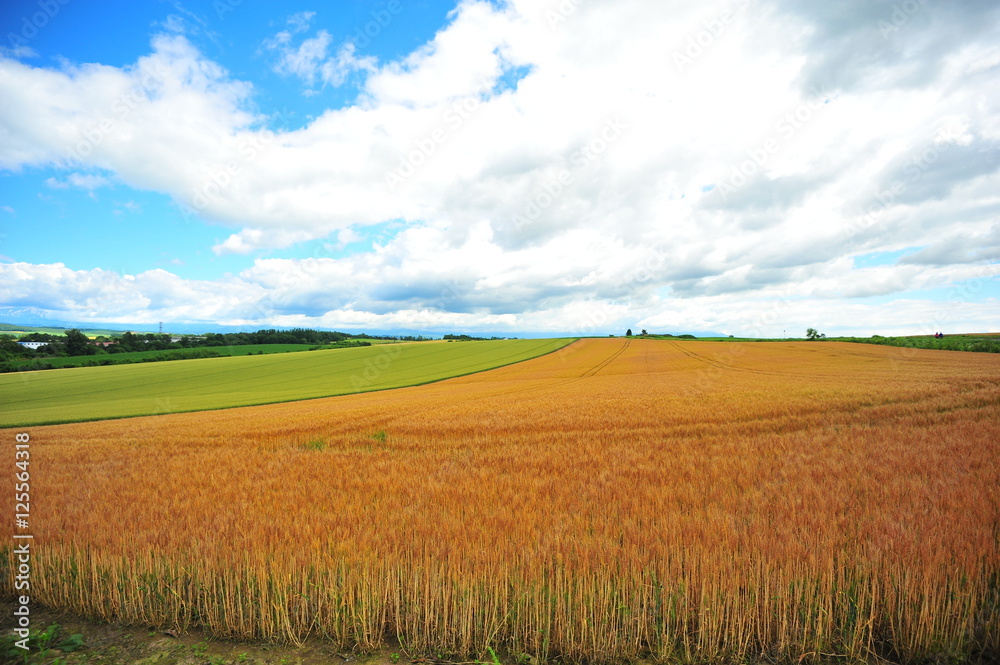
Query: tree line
x=75 y=343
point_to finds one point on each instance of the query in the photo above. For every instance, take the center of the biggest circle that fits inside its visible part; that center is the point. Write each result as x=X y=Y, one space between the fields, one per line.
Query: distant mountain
x=23 y=319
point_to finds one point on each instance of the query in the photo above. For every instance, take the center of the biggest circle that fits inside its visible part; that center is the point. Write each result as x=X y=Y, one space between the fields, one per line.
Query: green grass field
x=144 y=356
x=117 y=391
x=976 y=342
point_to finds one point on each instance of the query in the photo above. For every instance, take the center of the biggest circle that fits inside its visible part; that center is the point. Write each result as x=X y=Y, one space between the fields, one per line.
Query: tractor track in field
x=718 y=364
x=697 y=356
x=601 y=365
x=589 y=373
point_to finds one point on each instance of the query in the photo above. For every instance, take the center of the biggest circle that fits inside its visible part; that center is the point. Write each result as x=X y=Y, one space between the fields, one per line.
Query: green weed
x=315 y=444
x=40 y=644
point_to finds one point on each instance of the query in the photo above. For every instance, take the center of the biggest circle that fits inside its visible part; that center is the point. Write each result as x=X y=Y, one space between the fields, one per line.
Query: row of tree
x=811 y=333
x=75 y=343
x=467 y=338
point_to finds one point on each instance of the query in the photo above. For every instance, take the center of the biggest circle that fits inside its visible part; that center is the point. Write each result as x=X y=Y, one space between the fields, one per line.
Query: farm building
x=33 y=345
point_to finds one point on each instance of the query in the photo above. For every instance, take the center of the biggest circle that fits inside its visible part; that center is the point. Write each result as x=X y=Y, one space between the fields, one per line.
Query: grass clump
x=314 y=444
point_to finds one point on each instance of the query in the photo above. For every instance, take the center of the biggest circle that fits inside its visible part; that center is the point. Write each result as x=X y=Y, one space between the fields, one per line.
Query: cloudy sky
x=522 y=166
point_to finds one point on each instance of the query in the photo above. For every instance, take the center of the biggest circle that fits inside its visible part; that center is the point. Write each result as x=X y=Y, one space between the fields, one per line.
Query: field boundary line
x=68 y=421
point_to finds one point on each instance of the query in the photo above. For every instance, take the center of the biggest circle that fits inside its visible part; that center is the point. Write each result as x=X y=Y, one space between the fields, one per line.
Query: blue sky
x=513 y=166
x=131 y=230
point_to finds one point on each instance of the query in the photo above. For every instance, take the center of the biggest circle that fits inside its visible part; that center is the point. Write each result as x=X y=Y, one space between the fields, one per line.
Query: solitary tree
x=812 y=333
x=644 y=332
x=628 y=333
x=77 y=343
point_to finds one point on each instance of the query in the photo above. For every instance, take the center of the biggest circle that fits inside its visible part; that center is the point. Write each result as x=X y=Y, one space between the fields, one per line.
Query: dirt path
x=116 y=644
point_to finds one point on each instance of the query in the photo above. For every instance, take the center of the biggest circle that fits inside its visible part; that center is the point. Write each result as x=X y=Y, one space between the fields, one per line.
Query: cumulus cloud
x=537 y=162
x=883 y=44
x=959 y=249
x=327 y=293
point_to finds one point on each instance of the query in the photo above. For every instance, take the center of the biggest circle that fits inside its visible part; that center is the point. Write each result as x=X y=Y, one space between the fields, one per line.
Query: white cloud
x=249 y=240
x=309 y=60
x=539 y=199
x=87 y=181
x=303 y=61
x=300 y=22
x=326 y=292
x=464 y=60
x=346 y=237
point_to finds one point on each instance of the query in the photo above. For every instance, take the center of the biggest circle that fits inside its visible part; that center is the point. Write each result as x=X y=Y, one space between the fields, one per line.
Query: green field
x=117 y=391
x=58 y=362
x=972 y=342
x=976 y=342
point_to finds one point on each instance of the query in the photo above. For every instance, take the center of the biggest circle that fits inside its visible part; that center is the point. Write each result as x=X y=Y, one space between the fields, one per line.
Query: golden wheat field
x=616 y=500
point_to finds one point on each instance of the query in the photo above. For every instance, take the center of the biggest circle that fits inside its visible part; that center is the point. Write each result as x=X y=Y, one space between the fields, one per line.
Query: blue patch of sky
x=873 y=259
x=80 y=32
x=331 y=247
x=970 y=290
x=510 y=77
x=114 y=228
x=951 y=295
x=233 y=34
x=386 y=30
x=130 y=231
